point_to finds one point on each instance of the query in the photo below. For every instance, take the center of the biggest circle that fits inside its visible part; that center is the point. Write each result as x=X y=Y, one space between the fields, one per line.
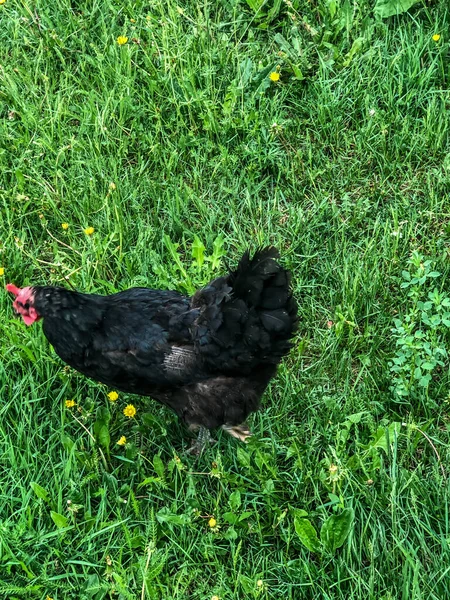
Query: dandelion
x=113 y=396
x=212 y=522
x=274 y=76
x=89 y=230
x=2 y=271
x=436 y=37
x=70 y=403
x=129 y=410
x=260 y=583
x=65 y=226
x=48 y=597
x=215 y=598
x=122 y=441
x=122 y=39
x=3 y=2
x=112 y=186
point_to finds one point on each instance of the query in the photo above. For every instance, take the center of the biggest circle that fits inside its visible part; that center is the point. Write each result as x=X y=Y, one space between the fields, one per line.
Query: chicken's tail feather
x=249 y=317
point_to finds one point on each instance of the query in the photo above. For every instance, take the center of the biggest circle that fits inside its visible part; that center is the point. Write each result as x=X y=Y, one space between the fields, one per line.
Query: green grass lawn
x=179 y=138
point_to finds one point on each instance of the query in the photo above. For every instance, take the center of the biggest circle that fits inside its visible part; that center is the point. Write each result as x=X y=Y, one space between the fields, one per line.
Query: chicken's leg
x=204 y=438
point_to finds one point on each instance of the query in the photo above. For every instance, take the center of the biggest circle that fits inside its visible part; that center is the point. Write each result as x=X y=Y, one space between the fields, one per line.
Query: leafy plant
x=421 y=333
x=333 y=532
x=175 y=273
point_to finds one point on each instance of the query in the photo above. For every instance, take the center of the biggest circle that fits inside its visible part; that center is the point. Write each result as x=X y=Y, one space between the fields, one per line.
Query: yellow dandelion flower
x=113 y=396
x=89 y=230
x=65 y=225
x=215 y=598
x=2 y=271
x=212 y=522
x=274 y=76
x=112 y=185
x=129 y=410
x=48 y=597
x=122 y=441
x=2 y=1
x=260 y=583
x=70 y=403
x=436 y=37
x=122 y=39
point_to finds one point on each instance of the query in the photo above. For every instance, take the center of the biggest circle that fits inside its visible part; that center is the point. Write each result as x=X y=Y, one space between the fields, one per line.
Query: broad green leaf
x=218 y=252
x=103 y=415
x=243 y=457
x=165 y=516
x=59 y=520
x=336 y=528
x=198 y=251
x=356 y=47
x=307 y=534
x=389 y=8
x=158 y=465
x=67 y=442
x=230 y=534
x=235 y=500
x=103 y=437
x=40 y=491
x=255 y=5
x=383 y=435
x=230 y=517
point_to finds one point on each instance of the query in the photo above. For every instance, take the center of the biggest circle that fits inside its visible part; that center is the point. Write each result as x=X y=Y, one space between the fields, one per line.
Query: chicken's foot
x=240 y=432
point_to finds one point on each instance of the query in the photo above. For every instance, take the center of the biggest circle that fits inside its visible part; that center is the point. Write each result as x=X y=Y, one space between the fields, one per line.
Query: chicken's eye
x=26 y=305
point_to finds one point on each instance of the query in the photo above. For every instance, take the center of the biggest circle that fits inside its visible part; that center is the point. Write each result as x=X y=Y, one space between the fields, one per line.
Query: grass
x=344 y=165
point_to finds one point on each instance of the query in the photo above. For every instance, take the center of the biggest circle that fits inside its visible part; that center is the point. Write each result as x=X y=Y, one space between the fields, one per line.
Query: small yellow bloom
x=89 y=230
x=122 y=441
x=48 y=597
x=212 y=522
x=2 y=1
x=274 y=76
x=333 y=469
x=70 y=403
x=65 y=225
x=2 y=271
x=215 y=598
x=260 y=583
x=129 y=410
x=113 y=396
x=112 y=185
x=122 y=39
x=436 y=37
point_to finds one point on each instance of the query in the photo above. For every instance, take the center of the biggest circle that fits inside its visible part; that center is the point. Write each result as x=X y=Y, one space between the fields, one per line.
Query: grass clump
x=141 y=144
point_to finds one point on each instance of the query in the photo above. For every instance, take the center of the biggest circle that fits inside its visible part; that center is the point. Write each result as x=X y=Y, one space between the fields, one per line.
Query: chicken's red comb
x=13 y=289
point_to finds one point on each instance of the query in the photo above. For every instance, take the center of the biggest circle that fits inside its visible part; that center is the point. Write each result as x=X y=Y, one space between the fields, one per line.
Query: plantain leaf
x=40 y=491
x=336 y=528
x=307 y=534
x=389 y=8
x=59 y=520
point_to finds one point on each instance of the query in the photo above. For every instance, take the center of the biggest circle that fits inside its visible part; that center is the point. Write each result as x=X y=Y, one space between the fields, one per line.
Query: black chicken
x=208 y=357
